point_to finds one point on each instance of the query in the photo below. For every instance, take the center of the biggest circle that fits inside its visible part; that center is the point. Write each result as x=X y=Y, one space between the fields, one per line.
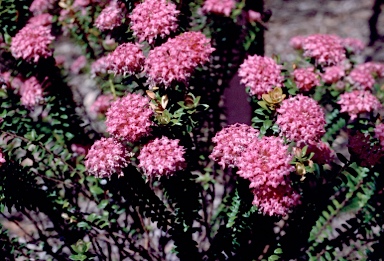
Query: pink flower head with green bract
x=260 y=74
x=305 y=79
x=275 y=201
x=106 y=157
x=265 y=162
x=125 y=59
x=161 y=157
x=379 y=133
x=324 y=49
x=32 y=42
x=231 y=143
x=31 y=93
x=358 y=101
x=176 y=59
x=222 y=7
x=102 y=104
x=153 y=18
x=111 y=16
x=129 y=118
x=301 y=119
x=362 y=79
x=333 y=74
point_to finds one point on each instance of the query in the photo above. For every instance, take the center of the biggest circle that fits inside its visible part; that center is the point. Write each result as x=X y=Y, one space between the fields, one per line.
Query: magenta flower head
x=231 y=143
x=362 y=79
x=31 y=93
x=129 y=118
x=102 y=104
x=333 y=74
x=305 y=79
x=2 y=158
x=126 y=59
x=41 y=19
x=374 y=68
x=324 y=49
x=358 y=101
x=301 y=119
x=354 y=45
x=41 y=6
x=111 y=16
x=153 y=18
x=265 y=162
x=297 y=42
x=222 y=7
x=260 y=74
x=176 y=59
x=32 y=42
x=162 y=157
x=106 y=157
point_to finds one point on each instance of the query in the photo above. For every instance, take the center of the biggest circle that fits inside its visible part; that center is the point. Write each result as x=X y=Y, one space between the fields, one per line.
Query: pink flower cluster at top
x=354 y=45
x=325 y=49
x=41 y=6
x=102 y=104
x=231 y=142
x=126 y=59
x=162 y=157
x=78 y=64
x=110 y=17
x=361 y=79
x=176 y=59
x=223 y=7
x=32 y=42
x=99 y=66
x=301 y=119
x=358 y=101
x=129 y=118
x=41 y=19
x=379 y=133
x=305 y=79
x=106 y=157
x=261 y=74
x=31 y=92
x=153 y=18
x=333 y=74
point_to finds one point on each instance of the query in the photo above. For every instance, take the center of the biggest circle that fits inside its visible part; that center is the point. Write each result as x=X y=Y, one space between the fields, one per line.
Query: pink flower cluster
x=99 y=66
x=161 y=157
x=362 y=79
x=129 y=118
x=78 y=64
x=126 y=59
x=297 y=42
x=261 y=74
x=231 y=143
x=41 y=19
x=41 y=6
x=32 y=42
x=106 y=157
x=301 y=119
x=325 y=49
x=374 y=68
x=379 y=133
x=102 y=104
x=110 y=17
x=333 y=74
x=153 y=18
x=305 y=78
x=323 y=154
x=354 y=45
x=176 y=59
x=358 y=101
x=31 y=92
x=222 y=7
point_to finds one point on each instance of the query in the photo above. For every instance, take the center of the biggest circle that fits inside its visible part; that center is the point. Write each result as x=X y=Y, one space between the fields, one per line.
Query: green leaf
x=273 y=258
x=80 y=257
x=96 y=190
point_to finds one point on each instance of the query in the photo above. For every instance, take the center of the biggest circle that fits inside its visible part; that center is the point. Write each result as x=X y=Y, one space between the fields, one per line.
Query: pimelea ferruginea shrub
x=119 y=151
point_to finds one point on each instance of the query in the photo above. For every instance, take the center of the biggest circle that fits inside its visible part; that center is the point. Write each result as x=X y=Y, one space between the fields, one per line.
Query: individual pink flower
x=128 y=58
x=102 y=104
x=110 y=17
x=254 y=16
x=99 y=66
x=153 y=18
x=325 y=49
x=78 y=64
x=13 y=82
x=161 y=157
x=301 y=119
x=79 y=149
x=265 y=162
x=305 y=78
x=362 y=79
x=32 y=42
x=2 y=158
x=60 y=60
x=176 y=59
x=231 y=142
x=106 y=157
x=358 y=101
x=222 y=7
x=275 y=201
x=129 y=118
x=333 y=74
x=323 y=154
x=31 y=92
x=354 y=45
x=41 y=6
x=41 y=19
x=379 y=133
x=261 y=74
x=297 y=42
